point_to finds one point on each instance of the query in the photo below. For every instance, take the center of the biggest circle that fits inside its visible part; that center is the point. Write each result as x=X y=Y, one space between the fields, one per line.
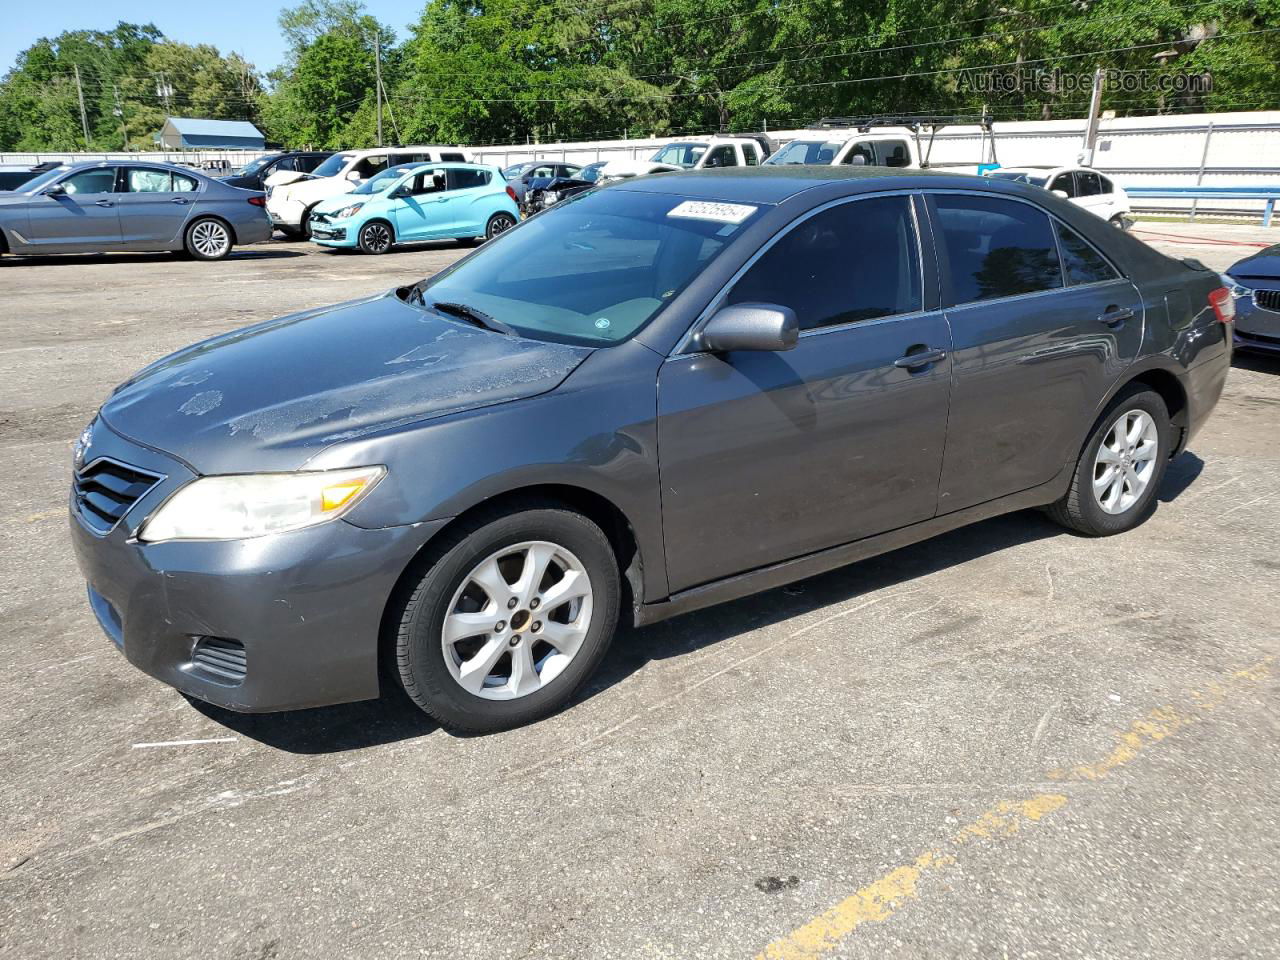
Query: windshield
x=35 y=183
x=680 y=154
x=513 y=171
x=387 y=177
x=255 y=165
x=807 y=151
x=1036 y=180
x=595 y=268
x=333 y=166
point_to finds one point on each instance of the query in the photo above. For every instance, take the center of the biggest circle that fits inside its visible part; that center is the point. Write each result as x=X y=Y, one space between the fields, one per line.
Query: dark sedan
x=1255 y=286
x=651 y=398
x=104 y=206
x=253 y=176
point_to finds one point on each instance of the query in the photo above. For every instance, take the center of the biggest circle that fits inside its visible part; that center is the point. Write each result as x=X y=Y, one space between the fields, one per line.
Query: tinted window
x=1082 y=263
x=996 y=247
x=722 y=156
x=307 y=164
x=893 y=153
x=1064 y=182
x=855 y=261
x=427 y=181
x=862 y=150
x=749 y=154
x=1105 y=184
x=1087 y=184
x=91 y=181
x=10 y=180
x=453 y=158
x=370 y=165
x=466 y=179
x=593 y=269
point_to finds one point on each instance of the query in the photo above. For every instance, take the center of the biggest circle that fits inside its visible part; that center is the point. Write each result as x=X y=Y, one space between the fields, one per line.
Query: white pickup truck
x=695 y=155
x=836 y=147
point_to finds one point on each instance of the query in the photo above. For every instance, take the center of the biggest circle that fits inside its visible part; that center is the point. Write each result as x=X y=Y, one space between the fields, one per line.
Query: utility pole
x=119 y=112
x=377 y=70
x=1091 y=130
x=84 y=120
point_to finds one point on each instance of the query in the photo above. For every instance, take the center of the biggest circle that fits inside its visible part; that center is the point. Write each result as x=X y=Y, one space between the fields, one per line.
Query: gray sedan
x=97 y=207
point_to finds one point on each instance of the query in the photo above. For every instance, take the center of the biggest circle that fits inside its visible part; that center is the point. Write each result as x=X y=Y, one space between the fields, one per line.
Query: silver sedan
x=97 y=207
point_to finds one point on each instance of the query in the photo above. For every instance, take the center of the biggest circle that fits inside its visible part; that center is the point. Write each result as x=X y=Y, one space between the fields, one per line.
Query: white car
x=836 y=148
x=291 y=195
x=625 y=169
x=715 y=152
x=1082 y=186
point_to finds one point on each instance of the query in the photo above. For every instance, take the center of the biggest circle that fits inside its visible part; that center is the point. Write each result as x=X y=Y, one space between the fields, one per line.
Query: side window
x=893 y=153
x=99 y=180
x=182 y=184
x=427 y=181
x=722 y=156
x=855 y=261
x=544 y=171
x=143 y=180
x=1088 y=183
x=568 y=170
x=749 y=154
x=285 y=163
x=1105 y=184
x=453 y=158
x=467 y=179
x=1064 y=182
x=1082 y=263
x=369 y=166
x=862 y=150
x=996 y=247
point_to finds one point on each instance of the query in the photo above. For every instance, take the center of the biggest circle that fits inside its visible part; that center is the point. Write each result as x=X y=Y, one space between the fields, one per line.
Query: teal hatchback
x=415 y=203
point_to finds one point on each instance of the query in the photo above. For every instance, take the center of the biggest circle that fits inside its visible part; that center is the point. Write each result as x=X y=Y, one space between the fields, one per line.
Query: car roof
x=776 y=183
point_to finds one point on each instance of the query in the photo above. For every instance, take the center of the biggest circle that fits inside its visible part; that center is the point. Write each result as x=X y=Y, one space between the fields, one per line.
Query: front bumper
x=333 y=233
x=1256 y=327
x=305 y=607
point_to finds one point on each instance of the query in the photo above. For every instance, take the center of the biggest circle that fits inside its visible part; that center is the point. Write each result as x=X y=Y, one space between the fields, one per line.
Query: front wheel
x=498 y=223
x=208 y=239
x=1120 y=468
x=1118 y=222
x=376 y=237
x=516 y=611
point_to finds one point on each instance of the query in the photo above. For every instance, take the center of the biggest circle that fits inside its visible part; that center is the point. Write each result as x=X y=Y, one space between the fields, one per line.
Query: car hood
x=273 y=395
x=334 y=204
x=1265 y=264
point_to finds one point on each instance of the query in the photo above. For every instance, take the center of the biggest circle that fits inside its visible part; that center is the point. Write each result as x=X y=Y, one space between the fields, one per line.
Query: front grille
x=106 y=489
x=1267 y=299
x=220 y=660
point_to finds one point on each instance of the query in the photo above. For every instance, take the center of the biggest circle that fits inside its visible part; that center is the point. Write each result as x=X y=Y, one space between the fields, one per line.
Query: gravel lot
x=1007 y=742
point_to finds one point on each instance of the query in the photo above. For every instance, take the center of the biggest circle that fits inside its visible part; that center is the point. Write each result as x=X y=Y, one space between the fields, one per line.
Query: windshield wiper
x=472 y=315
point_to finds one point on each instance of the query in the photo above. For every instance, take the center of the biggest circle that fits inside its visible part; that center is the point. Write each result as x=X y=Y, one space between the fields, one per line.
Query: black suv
x=253 y=175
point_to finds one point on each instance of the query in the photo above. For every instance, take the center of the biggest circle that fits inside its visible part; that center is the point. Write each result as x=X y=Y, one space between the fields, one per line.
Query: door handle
x=104 y=203
x=914 y=361
x=1116 y=316
x=179 y=200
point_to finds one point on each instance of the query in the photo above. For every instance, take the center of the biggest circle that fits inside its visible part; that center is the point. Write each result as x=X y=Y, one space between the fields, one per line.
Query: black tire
x=376 y=237
x=418 y=616
x=1118 y=222
x=1080 y=510
x=498 y=223
x=208 y=238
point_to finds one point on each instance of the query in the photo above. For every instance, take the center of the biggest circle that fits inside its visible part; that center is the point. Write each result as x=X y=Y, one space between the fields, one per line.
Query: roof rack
x=913 y=122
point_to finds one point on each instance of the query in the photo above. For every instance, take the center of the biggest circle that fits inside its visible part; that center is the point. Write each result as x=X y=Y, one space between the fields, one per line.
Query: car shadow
x=1179 y=475
x=393 y=717
x=1256 y=361
x=83 y=259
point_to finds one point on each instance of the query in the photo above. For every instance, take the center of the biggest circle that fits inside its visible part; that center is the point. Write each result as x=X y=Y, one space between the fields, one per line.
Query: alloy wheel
x=376 y=237
x=517 y=620
x=210 y=238
x=1126 y=461
x=500 y=224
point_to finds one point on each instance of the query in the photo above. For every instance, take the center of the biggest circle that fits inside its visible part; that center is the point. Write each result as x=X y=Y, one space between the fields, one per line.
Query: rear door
x=1089 y=194
x=154 y=206
x=84 y=217
x=769 y=456
x=1039 y=340
x=465 y=213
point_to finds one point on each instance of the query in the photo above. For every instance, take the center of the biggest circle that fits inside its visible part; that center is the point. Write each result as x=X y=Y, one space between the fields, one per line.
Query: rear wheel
x=1118 y=222
x=208 y=239
x=1119 y=471
x=509 y=620
x=376 y=236
x=498 y=223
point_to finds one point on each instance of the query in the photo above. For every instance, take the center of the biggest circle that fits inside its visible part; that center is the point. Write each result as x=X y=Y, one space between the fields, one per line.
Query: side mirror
x=857 y=160
x=56 y=190
x=751 y=326
x=1060 y=193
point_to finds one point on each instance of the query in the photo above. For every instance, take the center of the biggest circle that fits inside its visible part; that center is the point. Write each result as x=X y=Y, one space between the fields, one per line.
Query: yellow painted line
x=881 y=899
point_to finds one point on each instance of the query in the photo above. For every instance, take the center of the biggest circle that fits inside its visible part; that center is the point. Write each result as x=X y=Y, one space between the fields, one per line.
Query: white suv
x=835 y=149
x=1082 y=186
x=291 y=195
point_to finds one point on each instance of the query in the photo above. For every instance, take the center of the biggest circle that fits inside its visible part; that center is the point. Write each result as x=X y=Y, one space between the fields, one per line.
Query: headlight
x=253 y=505
x=550 y=197
x=1237 y=288
x=350 y=211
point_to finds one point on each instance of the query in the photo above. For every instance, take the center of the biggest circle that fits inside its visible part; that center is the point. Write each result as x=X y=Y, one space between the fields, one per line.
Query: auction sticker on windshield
x=717 y=212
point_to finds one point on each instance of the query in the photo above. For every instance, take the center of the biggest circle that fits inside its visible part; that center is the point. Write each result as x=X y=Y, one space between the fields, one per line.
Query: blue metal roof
x=188 y=126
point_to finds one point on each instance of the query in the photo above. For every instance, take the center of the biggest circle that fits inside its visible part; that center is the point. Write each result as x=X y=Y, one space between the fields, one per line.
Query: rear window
x=996 y=247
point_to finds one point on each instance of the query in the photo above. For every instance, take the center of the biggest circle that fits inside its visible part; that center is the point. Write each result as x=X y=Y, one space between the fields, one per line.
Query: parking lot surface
x=1006 y=742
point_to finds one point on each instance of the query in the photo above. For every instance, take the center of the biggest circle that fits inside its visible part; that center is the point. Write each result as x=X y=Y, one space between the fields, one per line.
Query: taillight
x=258 y=201
x=1224 y=305
x=511 y=192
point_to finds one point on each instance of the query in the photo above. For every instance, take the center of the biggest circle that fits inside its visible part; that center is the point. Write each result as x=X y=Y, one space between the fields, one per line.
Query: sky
x=245 y=26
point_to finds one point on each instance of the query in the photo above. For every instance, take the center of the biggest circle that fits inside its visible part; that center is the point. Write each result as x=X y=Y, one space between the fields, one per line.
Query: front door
x=768 y=456
x=422 y=214
x=1039 y=341
x=82 y=217
x=154 y=206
